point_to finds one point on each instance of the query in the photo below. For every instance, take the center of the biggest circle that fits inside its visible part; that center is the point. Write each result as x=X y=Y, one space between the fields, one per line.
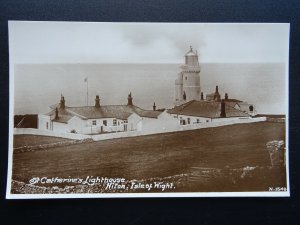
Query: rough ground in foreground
x=212 y=159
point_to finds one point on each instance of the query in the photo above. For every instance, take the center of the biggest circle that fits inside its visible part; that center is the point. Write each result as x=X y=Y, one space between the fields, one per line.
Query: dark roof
x=106 y=111
x=232 y=100
x=243 y=103
x=231 y=104
x=146 y=113
x=57 y=105
x=206 y=109
x=63 y=115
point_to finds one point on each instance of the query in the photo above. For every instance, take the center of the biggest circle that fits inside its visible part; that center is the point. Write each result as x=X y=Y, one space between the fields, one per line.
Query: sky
x=82 y=42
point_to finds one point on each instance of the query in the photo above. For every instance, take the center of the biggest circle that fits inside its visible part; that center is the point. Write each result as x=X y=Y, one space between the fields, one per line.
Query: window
x=188 y=120
x=118 y=123
x=125 y=121
x=105 y=122
x=251 y=108
x=181 y=121
x=198 y=121
x=185 y=78
x=207 y=121
x=94 y=122
x=47 y=125
x=114 y=122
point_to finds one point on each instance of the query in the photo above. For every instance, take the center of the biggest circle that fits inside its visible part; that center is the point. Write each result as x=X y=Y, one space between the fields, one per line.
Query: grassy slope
x=32 y=140
x=234 y=146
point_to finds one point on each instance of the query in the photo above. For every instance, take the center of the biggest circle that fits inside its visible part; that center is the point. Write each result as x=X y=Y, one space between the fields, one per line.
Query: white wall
x=229 y=119
x=245 y=108
x=82 y=126
x=134 y=122
x=164 y=123
x=167 y=123
x=193 y=119
x=60 y=127
x=89 y=128
x=158 y=129
x=42 y=122
x=77 y=124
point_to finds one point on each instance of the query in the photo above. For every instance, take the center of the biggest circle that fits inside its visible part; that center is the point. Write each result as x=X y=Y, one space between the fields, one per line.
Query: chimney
x=129 y=99
x=226 y=96
x=56 y=113
x=97 y=101
x=154 y=107
x=223 y=111
x=62 y=102
x=202 y=96
x=217 y=89
x=217 y=96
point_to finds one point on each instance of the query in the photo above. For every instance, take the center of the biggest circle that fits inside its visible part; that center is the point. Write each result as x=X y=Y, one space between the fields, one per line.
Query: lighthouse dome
x=191 y=58
x=191 y=52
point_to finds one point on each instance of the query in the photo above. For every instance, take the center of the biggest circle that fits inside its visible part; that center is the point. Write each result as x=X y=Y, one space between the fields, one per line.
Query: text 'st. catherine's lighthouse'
x=187 y=85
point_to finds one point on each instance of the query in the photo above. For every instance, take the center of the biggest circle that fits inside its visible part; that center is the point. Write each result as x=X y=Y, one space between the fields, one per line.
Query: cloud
x=71 y=42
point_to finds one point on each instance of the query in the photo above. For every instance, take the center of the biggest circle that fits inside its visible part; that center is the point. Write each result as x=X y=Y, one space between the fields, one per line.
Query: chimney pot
x=97 y=101
x=184 y=96
x=223 y=110
x=56 y=113
x=154 y=107
x=217 y=89
x=62 y=102
x=129 y=99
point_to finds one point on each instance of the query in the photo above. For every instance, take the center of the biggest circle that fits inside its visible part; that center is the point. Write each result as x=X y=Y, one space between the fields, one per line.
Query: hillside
x=229 y=158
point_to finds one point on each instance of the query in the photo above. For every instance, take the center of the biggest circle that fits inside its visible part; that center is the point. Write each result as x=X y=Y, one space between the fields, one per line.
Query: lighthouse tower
x=187 y=85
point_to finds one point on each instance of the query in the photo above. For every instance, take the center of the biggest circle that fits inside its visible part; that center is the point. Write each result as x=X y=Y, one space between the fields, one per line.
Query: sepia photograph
x=110 y=110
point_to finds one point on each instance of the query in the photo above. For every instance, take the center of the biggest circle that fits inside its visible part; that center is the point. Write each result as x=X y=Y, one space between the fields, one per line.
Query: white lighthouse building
x=187 y=85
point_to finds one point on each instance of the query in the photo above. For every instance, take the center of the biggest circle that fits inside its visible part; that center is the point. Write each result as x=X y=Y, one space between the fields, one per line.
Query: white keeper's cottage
x=95 y=119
